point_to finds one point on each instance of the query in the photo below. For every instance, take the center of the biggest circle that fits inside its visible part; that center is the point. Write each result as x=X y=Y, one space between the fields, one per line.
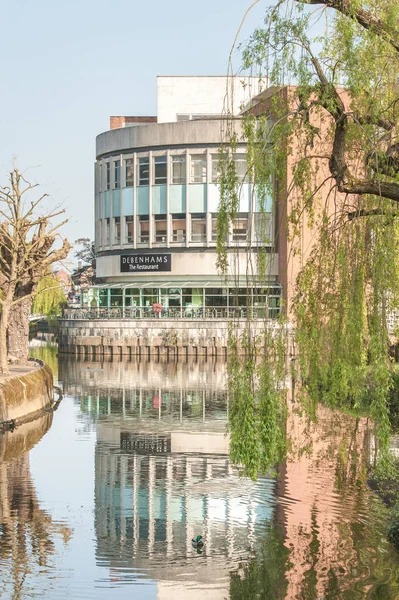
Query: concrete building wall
x=196 y=96
x=167 y=337
x=163 y=135
x=184 y=265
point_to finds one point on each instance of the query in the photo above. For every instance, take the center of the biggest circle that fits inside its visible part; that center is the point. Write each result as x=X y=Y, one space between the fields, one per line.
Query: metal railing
x=188 y=312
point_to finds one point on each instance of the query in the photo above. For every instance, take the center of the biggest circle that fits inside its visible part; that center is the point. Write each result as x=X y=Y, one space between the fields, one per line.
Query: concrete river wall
x=26 y=392
x=175 y=338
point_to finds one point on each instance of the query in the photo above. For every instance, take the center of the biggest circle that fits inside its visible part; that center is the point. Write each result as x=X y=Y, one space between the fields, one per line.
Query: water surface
x=102 y=498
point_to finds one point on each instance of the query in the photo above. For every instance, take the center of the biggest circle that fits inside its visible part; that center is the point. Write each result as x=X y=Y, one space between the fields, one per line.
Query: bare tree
x=27 y=250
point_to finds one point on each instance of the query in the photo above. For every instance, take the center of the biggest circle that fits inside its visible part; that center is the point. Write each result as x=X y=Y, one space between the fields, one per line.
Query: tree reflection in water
x=328 y=539
x=27 y=532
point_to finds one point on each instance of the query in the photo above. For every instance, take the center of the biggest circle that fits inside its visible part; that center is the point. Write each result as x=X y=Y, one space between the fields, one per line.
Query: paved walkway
x=18 y=370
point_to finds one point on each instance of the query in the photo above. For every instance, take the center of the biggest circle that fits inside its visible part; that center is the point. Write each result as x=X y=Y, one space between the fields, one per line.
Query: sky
x=67 y=66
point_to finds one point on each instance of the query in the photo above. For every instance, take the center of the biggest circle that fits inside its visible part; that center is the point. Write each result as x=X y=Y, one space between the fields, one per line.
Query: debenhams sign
x=145 y=262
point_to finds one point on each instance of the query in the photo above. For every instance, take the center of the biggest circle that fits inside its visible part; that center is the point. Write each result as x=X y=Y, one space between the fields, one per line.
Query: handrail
x=187 y=312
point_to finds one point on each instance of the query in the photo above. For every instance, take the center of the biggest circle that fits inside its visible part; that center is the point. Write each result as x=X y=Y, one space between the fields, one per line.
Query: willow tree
x=28 y=246
x=323 y=140
x=49 y=298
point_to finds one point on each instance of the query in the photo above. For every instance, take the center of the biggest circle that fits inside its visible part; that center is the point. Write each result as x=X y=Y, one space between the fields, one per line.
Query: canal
x=101 y=499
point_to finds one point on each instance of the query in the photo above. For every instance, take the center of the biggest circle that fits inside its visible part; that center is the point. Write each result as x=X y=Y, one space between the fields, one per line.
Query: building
x=163 y=474
x=156 y=204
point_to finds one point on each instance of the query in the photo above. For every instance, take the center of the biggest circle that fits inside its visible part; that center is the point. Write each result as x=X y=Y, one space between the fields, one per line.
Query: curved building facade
x=156 y=205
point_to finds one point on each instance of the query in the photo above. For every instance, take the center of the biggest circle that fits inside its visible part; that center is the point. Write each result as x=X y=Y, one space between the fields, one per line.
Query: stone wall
x=172 y=338
x=27 y=394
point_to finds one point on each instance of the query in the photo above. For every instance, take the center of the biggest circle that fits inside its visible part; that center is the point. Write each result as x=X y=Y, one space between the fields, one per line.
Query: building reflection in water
x=163 y=476
x=27 y=532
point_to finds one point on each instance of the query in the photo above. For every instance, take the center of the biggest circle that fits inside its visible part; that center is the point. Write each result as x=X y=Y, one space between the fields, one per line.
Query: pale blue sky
x=67 y=66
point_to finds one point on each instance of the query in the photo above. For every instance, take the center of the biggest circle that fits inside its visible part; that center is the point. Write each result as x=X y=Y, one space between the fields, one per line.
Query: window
x=240 y=228
x=117 y=230
x=214 y=235
x=160 y=229
x=215 y=297
x=198 y=168
x=179 y=228
x=107 y=232
x=198 y=228
x=179 y=169
x=116 y=297
x=103 y=297
x=183 y=117
x=263 y=227
x=132 y=297
x=150 y=296
x=241 y=168
x=129 y=172
x=108 y=176
x=239 y=297
x=159 y=169
x=215 y=168
x=144 y=230
x=100 y=177
x=214 y=228
x=144 y=171
x=129 y=224
x=98 y=237
x=117 y=174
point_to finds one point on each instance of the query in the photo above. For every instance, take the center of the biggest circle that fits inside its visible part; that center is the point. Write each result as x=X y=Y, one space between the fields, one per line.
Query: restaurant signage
x=138 y=443
x=136 y=263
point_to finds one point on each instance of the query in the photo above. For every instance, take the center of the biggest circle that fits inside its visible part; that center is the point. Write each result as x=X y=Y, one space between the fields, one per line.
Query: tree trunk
x=18 y=330
x=4 y=370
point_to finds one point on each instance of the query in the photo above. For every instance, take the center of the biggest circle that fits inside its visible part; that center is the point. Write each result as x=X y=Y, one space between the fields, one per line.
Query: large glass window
x=160 y=169
x=160 y=229
x=132 y=297
x=108 y=175
x=129 y=228
x=215 y=297
x=116 y=297
x=240 y=228
x=150 y=296
x=144 y=170
x=129 y=172
x=239 y=297
x=117 y=230
x=198 y=168
x=268 y=297
x=107 y=232
x=215 y=168
x=99 y=238
x=214 y=227
x=241 y=167
x=103 y=298
x=178 y=228
x=263 y=227
x=198 y=228
x=178 y=166
x=117 y=174
x=144 y=230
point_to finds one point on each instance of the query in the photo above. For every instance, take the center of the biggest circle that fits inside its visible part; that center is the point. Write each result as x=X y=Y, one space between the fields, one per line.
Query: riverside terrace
x=125 y=302
x=177 y=322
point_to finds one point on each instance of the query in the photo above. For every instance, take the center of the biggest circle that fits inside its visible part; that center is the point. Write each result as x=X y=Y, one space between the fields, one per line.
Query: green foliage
x=350 y=282
x=50 y=297
x=256 y=404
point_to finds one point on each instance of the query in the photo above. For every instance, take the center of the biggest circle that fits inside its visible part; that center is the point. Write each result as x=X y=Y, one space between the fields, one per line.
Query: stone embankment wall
x=172 y=338
x=27 y=394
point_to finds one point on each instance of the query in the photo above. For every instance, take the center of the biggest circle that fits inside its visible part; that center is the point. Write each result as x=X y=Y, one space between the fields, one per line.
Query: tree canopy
x=324 y=142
